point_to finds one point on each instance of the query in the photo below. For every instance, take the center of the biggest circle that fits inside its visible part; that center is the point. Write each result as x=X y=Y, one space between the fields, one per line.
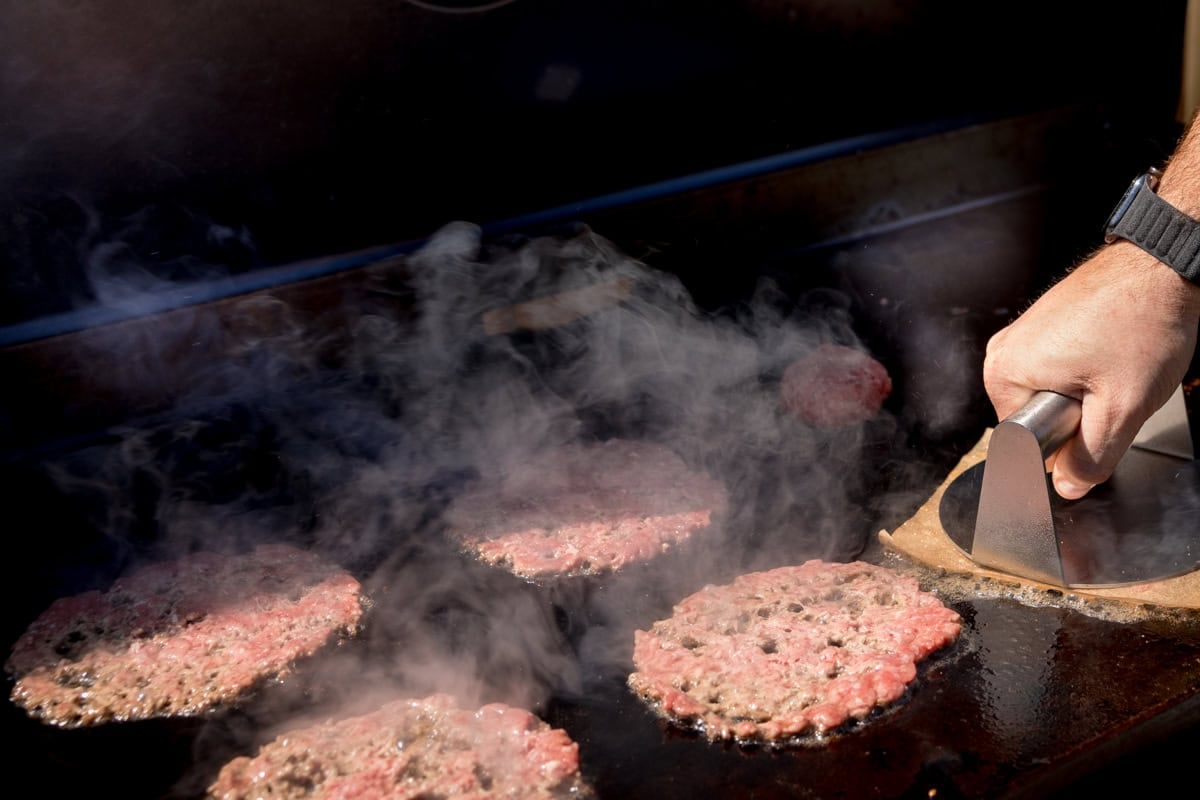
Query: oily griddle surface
x=1030 y=698
x=1028 y=701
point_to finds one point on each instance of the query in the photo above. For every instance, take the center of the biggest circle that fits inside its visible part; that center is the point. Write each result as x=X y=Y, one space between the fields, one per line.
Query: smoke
x=352 y=439
x=652 y=366
x=70 y=254
x=156 y=249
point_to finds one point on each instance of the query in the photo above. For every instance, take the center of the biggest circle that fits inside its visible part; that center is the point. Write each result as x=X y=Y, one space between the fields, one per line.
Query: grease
x=967 y=586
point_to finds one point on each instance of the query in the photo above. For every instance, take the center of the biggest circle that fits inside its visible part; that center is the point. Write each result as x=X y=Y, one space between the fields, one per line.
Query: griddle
x=1032 y=701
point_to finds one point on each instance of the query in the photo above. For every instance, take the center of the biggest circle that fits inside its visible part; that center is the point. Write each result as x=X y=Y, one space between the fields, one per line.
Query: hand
x=1118 y=334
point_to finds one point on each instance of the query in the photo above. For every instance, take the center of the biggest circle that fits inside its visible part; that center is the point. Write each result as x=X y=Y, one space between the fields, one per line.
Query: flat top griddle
x=1029 y=702
x=1032 y=700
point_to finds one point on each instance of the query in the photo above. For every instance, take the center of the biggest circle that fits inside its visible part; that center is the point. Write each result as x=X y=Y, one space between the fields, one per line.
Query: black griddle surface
x=1030 y=701
x=1013 y=709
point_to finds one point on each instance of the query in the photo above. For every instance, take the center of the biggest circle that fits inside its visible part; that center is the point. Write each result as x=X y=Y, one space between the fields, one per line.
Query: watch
x=1157 y=227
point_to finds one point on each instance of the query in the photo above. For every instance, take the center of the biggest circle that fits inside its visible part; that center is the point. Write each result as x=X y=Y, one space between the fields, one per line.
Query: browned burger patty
x=181 y=637
x=789 y=651
x=834 y=386
x=426 y=748
x=586 y=509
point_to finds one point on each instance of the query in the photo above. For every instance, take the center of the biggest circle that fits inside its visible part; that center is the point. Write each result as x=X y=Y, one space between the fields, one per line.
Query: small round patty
x=834 y=386
x=791 y=651
x=178 y=638
x=586 y=509
x=422 y=748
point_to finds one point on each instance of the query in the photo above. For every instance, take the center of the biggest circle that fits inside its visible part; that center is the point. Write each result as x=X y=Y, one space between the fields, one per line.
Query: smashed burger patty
x=586 y=509
x=423 y=748
x=790 y=651
x=178 y=638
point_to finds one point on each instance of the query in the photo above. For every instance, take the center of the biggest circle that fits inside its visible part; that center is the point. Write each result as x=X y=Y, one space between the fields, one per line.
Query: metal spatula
x=1143 y=524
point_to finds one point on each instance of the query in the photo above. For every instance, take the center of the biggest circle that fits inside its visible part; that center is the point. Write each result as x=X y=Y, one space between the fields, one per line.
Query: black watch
x=1157 y=227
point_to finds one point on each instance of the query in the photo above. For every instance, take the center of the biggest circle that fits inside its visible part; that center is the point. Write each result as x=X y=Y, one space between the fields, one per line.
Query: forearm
x=1180 y=184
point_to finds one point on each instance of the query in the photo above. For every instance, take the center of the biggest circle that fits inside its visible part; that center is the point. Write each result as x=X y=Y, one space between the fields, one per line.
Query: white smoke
x=351 y=439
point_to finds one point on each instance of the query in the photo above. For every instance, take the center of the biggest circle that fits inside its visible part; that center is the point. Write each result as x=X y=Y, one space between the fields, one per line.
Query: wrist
x=1151 y=221
x=1151 y=277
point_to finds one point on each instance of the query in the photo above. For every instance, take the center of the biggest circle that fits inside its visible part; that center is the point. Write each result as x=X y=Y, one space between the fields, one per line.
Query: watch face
x=1122 y=207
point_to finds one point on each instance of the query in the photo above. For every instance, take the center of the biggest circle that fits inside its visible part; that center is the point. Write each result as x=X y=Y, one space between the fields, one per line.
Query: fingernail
x=1069 y=489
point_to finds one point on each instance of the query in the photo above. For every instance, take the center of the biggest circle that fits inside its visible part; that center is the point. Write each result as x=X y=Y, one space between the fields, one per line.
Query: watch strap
x=1162 y=230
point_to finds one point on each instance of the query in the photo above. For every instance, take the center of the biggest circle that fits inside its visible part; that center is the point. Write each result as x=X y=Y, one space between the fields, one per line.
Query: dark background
x=166 y=142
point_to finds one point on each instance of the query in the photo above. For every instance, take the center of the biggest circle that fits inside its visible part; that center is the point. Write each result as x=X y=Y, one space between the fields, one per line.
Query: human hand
x=1118 y=334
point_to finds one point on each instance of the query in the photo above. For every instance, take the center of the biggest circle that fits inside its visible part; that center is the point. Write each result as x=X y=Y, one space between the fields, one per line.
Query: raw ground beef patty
x=413 y=749
x=585 y=509
x=789 y=651
x=834 y=386
x=180 y=637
